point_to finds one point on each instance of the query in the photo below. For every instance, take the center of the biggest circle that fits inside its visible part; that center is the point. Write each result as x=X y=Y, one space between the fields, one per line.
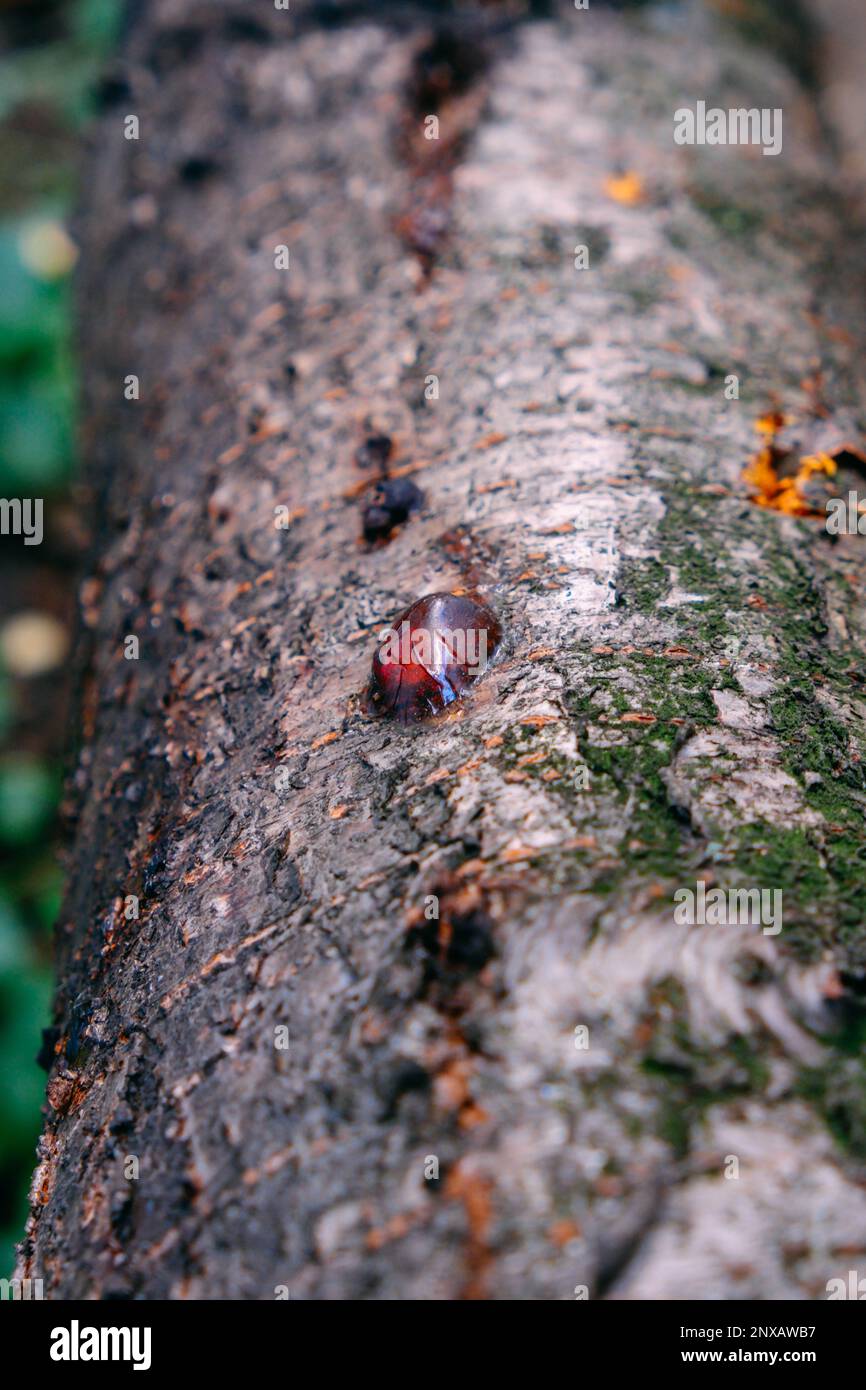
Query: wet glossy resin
x=431 y=654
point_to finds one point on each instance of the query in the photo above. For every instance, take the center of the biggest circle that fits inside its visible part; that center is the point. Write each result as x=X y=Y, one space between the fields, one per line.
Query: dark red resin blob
x=433 y=652
x=392 y=503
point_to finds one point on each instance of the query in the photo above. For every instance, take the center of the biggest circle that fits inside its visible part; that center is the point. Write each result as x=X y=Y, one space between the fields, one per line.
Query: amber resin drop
x=431 y=654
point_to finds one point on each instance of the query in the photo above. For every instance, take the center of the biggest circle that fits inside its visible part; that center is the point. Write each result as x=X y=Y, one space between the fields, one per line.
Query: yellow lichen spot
x=627 y=188
x=783 y=494
x=771 y=423
x=816 y=463
x=761 y=474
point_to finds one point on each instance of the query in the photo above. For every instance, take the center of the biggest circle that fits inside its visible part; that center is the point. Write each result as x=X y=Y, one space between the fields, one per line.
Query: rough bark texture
x=582 y=470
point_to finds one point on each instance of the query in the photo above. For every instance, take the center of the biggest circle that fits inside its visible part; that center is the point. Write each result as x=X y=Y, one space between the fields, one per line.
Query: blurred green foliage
x=50 y=62
x=36 y=378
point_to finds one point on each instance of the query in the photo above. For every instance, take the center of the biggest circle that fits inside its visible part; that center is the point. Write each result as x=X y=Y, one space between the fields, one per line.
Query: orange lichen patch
x=337 y=812
x=271 y=1165
x=451 y=1085
x=538 y=721
x=471 y=1116
x=785 y=494
x=627 y=188
x=771 y=423
x=581 y=842
x=771 y=489
x=230 y=455
x=561 y=1232
x=326 y=738
x=473 y=1191
x=496 y=437
x=226 y=957
x=637 y=717
x=493 y=741
x=394 y=1229
x=497 y=486
x=268 y=316
x=66 y=1091
x=539 y=653
x=516 y=853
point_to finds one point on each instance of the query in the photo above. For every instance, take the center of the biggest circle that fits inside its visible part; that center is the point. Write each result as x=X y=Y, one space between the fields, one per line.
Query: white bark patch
x=776 y=1232
x=727 y=778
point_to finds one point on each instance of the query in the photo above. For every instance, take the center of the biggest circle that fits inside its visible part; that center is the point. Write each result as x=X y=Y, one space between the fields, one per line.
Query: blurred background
x=51 y=57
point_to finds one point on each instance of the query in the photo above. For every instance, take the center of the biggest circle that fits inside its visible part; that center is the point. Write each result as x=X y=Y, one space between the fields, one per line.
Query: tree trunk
x=695 y=658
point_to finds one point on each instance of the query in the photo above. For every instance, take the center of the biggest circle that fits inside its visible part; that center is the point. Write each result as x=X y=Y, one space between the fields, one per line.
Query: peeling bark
x=698 y=658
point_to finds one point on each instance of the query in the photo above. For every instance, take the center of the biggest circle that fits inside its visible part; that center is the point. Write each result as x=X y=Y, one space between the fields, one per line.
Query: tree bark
x=696 y=657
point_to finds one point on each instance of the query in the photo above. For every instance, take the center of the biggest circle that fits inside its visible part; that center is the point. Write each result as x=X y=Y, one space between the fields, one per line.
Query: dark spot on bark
x=283 y=879
x=595 y=239
x=443 y=71
x=215 y=572
x=392 y=502
x=122 y=1119
x=111 y=89
x=154 y=871
x=46 y=1054
x=79 y=1017
x=471 y=944
x=120 y=1214
x=374 y=452
x=197 y=168
x=446 y=67
x=174 y=47
x=434 y=651
x=407 y=1077
x=455 y=947
x=245 y=29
